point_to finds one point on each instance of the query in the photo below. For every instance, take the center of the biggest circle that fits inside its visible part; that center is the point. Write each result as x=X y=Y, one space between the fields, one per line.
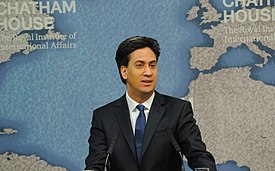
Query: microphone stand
x=176 y=146
x=107 y=165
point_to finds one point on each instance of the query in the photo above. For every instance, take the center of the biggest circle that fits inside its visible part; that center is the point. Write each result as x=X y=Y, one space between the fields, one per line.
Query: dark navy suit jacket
x=158 y=153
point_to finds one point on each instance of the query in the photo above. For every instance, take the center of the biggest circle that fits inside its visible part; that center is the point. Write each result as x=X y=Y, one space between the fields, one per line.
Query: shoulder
x=172 y=100
x=111 y=106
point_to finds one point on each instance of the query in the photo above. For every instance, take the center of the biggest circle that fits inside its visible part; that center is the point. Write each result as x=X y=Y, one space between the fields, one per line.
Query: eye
x=153 y=65
x=139 y=65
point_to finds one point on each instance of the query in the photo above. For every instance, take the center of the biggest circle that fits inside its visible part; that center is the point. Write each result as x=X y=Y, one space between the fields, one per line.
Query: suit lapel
x=123 y=117
x=155 y=115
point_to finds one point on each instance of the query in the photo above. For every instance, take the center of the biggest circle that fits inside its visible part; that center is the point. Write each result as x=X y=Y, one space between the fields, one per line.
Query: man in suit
x=143 y=122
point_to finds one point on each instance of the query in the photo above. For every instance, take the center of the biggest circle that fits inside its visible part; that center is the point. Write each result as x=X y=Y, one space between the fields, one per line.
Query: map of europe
x=236 y=114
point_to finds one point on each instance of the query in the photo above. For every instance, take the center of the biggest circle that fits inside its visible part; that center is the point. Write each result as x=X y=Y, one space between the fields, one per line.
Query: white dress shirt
x=134 y=112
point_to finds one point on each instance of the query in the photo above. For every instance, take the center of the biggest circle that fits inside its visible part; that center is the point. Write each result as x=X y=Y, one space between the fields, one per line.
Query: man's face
x=141 y=74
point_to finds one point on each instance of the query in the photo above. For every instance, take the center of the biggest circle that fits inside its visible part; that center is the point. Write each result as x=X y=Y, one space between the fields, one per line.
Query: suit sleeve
x=97 y=145
x=191 y=142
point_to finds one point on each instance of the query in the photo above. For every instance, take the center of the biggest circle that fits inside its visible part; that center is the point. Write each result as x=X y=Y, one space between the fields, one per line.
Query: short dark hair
x=131 y=44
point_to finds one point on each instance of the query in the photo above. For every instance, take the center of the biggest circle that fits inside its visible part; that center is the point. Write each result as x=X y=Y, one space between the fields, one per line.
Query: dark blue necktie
x=139 y=131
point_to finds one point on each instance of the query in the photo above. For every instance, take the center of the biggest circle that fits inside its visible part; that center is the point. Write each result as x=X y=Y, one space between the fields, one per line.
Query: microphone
x=176 y=146
x=107 y=165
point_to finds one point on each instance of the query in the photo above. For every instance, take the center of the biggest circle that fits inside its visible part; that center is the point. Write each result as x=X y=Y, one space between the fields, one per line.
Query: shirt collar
x=133 y=104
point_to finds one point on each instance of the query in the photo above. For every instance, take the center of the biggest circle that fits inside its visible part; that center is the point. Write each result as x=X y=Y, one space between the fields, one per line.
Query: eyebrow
x=145 y=62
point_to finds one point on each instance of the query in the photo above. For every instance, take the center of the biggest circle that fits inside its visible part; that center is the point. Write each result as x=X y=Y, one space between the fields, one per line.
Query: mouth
x=147 y=82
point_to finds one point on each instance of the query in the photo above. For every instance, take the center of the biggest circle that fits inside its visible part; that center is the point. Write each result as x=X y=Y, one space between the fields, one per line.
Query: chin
x=148 y=91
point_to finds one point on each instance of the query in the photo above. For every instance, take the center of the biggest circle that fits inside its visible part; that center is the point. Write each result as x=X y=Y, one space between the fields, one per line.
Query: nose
x=147 y=71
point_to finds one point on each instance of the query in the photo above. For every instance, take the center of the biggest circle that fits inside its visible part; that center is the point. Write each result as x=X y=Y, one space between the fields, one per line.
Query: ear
x=123 y=72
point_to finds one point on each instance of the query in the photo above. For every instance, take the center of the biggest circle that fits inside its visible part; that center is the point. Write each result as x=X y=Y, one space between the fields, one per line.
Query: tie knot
x=140 y=107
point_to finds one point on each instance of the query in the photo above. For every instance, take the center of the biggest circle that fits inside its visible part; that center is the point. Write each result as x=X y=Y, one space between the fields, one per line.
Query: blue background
x=49 y=95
